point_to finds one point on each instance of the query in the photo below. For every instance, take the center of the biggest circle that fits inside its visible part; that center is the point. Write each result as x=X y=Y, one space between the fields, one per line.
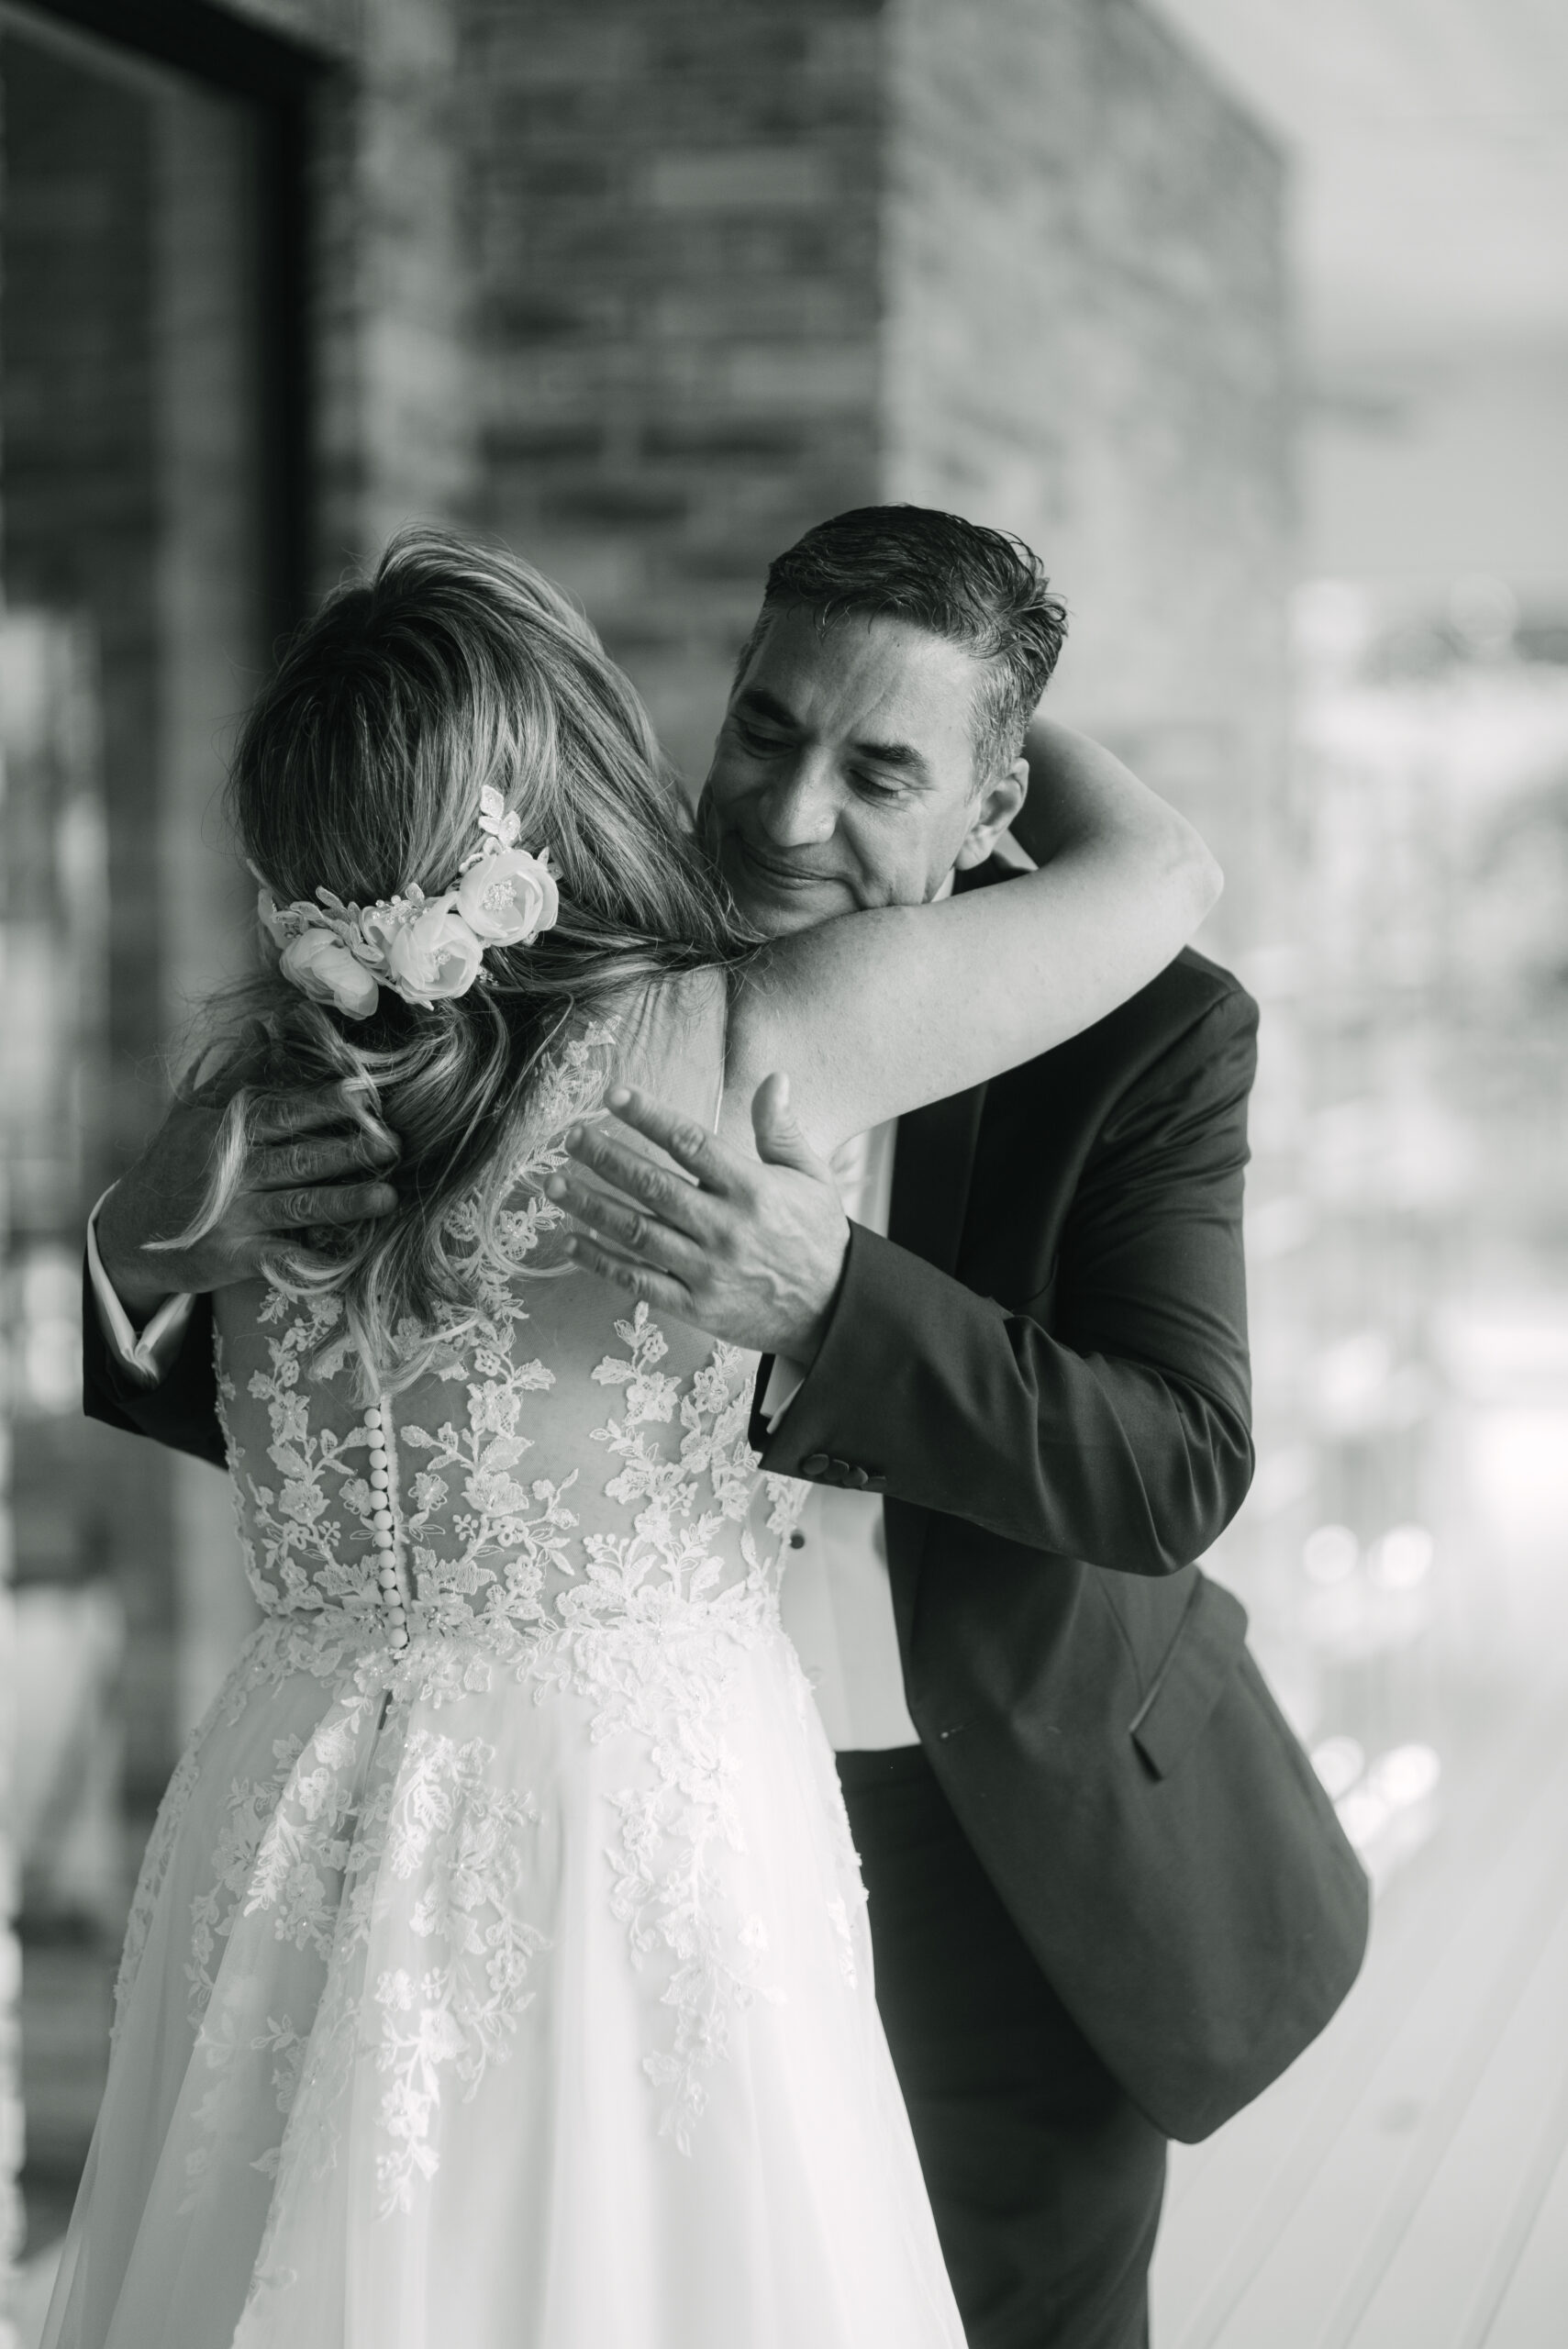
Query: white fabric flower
x=424 y=949
x=433 y=953
x=508 y=896
x=318 y=963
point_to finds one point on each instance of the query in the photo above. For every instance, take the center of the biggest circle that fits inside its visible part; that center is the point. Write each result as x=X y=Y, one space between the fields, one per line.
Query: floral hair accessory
x=424 y=949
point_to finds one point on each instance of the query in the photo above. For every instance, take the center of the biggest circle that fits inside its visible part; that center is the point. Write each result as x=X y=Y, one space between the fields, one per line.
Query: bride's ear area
x=995 y=809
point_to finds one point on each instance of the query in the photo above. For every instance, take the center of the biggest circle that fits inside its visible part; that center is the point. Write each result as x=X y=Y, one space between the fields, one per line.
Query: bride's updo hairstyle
x=359 y=770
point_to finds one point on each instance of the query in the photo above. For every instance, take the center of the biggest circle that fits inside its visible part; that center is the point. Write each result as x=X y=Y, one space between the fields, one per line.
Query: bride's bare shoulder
x=671 y=1042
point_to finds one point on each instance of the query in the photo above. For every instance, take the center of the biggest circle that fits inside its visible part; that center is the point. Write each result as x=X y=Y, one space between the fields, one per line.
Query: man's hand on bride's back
x=318 y=1158
x=751 y=1253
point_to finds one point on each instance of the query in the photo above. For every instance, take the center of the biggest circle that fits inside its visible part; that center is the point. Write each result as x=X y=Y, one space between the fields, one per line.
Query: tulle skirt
x=512 y=1993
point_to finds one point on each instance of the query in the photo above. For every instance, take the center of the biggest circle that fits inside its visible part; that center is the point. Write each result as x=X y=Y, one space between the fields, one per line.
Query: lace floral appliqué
x=381 y=1812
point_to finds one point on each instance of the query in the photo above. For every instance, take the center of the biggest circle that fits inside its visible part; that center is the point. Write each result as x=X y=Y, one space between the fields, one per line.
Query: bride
x=498 y=1972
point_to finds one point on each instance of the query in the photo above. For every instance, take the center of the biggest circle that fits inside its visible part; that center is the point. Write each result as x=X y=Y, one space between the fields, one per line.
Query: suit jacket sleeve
x=1109 y=1421
x=179 y=1411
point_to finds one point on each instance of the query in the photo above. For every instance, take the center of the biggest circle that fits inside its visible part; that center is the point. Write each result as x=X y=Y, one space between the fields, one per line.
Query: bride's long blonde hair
x=358 y=768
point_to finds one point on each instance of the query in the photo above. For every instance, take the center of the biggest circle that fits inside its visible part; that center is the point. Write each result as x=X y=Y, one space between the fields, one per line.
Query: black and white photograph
x=783 y=1174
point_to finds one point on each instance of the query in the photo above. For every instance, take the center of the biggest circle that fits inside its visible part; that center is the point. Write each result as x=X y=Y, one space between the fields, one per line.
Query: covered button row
x=382 y=1534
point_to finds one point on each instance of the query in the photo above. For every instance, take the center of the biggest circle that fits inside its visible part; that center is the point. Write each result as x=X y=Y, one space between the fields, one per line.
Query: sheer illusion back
x=566 y=1458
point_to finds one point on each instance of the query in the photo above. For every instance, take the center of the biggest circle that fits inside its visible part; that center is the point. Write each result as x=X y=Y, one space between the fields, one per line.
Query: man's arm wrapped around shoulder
x=1119 y=1434
x=180 y=1410
x=313 y=1158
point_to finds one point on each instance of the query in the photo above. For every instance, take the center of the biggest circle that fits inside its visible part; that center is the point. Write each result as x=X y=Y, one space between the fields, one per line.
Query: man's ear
x=994 y=810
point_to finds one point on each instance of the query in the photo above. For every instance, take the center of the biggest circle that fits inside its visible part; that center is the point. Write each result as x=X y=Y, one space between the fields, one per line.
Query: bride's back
x=568 y=1459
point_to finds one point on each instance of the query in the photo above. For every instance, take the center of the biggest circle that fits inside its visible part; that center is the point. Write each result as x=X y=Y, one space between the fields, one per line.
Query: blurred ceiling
x=1431 y=143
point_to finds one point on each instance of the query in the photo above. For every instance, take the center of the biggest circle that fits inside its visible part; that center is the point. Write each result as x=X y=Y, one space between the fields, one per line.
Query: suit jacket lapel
x=935 y=1157
x=931 y=1171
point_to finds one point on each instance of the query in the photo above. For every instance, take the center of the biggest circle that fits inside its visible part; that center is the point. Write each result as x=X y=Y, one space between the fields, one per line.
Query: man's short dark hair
x=982 y=590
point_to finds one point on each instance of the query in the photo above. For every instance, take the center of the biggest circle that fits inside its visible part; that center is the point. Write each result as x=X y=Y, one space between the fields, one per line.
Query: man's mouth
x=775 y=871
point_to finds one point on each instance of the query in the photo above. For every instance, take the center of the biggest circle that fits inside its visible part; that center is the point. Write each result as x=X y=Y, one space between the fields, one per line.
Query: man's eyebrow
x=903 y=755
x=758 y=702
x=763 y=703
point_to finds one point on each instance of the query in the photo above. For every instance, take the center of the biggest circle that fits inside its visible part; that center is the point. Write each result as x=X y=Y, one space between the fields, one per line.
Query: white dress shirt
x=146 y=1357
x=837 y=1599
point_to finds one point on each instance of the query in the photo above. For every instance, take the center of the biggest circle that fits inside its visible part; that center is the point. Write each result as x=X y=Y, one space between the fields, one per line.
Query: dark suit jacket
x=1045 y=1369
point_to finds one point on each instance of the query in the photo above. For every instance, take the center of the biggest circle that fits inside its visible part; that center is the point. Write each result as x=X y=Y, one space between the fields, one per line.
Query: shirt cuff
x=147 y=1356
x=785 y=1382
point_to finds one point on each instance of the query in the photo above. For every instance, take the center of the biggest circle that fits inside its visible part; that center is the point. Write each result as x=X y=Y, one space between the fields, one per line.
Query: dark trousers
x=1045 y=2179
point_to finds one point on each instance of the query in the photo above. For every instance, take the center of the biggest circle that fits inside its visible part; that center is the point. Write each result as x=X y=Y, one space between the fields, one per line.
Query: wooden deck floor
x=1405 y=2185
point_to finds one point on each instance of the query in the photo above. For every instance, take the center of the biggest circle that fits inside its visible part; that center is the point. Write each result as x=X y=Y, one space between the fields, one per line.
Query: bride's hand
x=308 y=1165
x=750 y=1250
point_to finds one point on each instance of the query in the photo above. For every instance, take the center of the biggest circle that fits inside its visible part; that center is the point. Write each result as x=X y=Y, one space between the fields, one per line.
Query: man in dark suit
x=1108 y=1901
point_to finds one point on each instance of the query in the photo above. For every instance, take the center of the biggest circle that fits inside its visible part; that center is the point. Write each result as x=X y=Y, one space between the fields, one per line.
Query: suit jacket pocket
x=1199 y=1660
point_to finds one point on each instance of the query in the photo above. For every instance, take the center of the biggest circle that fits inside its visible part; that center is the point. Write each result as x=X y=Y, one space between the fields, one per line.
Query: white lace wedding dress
x=499 y=1974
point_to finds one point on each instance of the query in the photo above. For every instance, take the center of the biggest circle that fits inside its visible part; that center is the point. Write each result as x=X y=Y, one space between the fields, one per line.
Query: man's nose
x=799 y=809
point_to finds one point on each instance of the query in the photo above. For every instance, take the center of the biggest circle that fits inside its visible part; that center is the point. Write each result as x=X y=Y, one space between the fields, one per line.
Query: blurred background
x=1254 y=320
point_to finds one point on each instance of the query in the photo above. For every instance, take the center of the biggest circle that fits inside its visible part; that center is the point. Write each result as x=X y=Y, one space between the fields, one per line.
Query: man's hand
x=751 y=1253
x=299 y=1173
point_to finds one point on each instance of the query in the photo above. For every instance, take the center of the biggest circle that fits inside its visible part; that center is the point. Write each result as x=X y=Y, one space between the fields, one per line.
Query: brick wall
x=675 y=232
x=647 y=286
x=605 y=281
x=736 y=268
x=393 y=152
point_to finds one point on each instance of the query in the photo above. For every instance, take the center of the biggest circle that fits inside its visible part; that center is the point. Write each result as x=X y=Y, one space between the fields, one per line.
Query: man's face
x=843 y=776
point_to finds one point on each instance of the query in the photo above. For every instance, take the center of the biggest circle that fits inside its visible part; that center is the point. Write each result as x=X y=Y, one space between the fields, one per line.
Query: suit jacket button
x=858 y=1478
x=814 y=1463
x=797 y=1541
